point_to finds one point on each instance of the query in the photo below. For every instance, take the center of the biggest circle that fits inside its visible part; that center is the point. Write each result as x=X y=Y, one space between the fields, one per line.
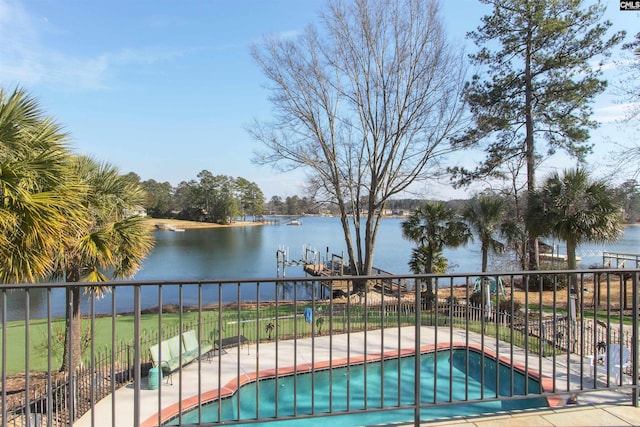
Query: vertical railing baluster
x=608 y=329
x=526 y=330
x=450 y=317
x=136 y=354
x=365 y=366
x=159 y=339
x=199 y=350
x=582 y=334
x=180 y=348
x=541 y=324
x=313 y=350
x=554 y=331
x=330 y=345
x=382 y=334
x=92 y=353
x=114 y=335
x=348 y=290
x=399 y=344
x=238 y=323
x=635 y=352
x=593 y=348
x=495 y=326
x=466 y=328
x=622 y=302
x=219 y=350
x=483 y=325
x=258 y=329
x=49 y=362
x=71 y=395
x=433 y=283
x=27 y=374
x=295 y=350
x=3 y=292
x=512 y=334
x=417 y=399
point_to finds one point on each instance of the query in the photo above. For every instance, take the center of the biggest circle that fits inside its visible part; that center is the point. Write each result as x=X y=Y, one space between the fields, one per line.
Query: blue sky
x=166 y=88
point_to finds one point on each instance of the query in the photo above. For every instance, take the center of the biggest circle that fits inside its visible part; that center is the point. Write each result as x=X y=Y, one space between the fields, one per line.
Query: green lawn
x=102 y=335
x=252 y=323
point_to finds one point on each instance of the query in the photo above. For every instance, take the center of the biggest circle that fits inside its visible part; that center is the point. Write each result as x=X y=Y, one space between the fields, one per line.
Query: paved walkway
x=622 y=414
x=198 y=380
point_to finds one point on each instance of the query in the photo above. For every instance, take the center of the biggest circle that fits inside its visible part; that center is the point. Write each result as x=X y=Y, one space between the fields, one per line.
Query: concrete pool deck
x=605 y=407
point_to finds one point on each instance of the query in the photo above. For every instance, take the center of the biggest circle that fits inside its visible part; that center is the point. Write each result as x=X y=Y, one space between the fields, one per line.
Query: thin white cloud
x=26 y=59
x=292 y=34
x=615 y=113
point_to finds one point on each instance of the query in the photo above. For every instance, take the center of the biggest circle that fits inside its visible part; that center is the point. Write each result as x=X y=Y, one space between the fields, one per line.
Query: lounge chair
x=612 y=362
x=193 y=349
x=171 y=350
x=176 y=351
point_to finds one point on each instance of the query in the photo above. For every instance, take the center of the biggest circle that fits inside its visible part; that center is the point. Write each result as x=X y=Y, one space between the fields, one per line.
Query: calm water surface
x=250 y=252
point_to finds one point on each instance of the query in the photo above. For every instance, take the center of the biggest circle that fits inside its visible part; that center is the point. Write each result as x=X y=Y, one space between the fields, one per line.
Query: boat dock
x=335 y=266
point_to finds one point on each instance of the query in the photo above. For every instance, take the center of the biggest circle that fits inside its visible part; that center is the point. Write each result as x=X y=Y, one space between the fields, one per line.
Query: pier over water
x=334 y=265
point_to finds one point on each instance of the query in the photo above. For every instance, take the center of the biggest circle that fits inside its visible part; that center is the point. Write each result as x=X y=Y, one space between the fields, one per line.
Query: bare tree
x=366 y=105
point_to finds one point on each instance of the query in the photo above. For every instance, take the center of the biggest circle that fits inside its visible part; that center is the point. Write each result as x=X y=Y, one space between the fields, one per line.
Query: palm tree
x=269 y=329
x=61 y=216
x=574 y=209
x=112 y=239
x=40 y=194
x=485 y=216
x=319 y=323
x=433 y=227
x=421 y=257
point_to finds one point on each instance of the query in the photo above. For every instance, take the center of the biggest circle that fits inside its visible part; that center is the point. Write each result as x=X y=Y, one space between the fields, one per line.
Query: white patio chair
x=611 y=362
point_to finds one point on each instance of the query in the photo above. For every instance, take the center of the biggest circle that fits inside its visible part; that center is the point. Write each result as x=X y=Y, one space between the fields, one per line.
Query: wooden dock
x=312 y=265
x=318 y=270
x=322 y=270
x=381 y=285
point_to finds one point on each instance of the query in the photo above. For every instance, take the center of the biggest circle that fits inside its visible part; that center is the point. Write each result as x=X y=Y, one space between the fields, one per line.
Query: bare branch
x=366 y=106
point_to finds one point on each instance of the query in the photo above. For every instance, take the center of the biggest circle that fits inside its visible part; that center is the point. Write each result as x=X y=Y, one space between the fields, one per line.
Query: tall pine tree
x=538 y=81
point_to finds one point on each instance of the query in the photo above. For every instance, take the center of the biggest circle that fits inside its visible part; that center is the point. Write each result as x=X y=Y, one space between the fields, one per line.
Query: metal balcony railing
x=404 y=347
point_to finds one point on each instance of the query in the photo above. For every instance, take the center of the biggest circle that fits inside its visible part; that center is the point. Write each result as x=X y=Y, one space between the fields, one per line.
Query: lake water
x=250 y=252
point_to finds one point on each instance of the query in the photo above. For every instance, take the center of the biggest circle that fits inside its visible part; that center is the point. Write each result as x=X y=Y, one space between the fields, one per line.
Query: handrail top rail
x=223 y=281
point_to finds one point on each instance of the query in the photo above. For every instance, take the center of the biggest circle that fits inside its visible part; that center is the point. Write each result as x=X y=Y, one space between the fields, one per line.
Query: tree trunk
x=72 y=336
x=346 y=231
x=485 y=258
x=571 y=265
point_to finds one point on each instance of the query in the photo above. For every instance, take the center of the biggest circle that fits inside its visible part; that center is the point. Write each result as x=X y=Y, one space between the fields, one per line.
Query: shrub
x=547 y=282
x=476 y=299
x=504 y=304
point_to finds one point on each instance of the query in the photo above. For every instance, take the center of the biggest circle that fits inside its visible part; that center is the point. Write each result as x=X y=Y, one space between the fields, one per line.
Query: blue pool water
x=344 y=388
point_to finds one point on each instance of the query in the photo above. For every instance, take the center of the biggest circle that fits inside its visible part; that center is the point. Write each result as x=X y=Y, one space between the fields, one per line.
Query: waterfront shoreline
x=168 y=223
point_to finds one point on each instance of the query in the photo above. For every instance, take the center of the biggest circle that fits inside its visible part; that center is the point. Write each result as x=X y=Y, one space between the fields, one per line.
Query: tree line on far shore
x=215 y=198
x=211 y=198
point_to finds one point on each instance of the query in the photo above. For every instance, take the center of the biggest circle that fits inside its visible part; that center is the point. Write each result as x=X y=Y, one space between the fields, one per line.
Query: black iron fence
x=538 y=325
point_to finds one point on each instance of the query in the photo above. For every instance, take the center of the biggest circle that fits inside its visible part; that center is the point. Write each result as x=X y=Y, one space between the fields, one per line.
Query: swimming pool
x=388 y=384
